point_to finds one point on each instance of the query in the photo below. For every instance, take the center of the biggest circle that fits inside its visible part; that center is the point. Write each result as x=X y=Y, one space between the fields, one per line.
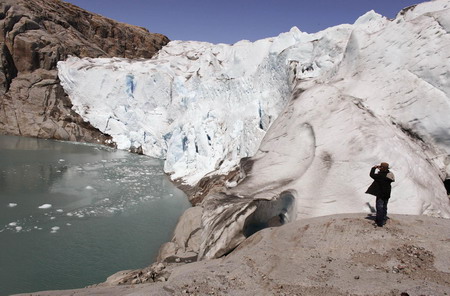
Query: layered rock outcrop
x=34 y=36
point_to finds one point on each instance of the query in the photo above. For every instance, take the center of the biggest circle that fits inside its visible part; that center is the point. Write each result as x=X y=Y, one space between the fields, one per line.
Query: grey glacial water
x=73 y=214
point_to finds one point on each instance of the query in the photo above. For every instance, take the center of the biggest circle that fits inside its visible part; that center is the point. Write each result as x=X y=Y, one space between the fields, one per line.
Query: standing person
x=381 y=188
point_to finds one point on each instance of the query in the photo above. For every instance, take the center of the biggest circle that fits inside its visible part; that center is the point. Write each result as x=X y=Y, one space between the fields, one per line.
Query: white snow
x=313 y=111
x=45 y=206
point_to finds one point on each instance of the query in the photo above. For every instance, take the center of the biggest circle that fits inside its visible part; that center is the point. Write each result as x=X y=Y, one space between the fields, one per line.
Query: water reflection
x=79 y=202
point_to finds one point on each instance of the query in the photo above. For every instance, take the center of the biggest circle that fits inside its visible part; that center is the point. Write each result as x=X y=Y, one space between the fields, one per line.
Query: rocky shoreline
x=330 y=255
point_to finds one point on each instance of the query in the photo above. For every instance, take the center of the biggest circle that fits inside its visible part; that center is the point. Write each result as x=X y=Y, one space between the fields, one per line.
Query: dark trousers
x=381 y=205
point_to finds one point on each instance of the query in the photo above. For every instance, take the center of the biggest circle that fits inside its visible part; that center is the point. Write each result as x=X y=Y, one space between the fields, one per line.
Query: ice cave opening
x=447 y=186
x=271 y=213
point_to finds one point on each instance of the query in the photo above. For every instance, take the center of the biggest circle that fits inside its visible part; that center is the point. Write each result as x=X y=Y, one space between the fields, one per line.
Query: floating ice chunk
x=12 y=224
x=61 y=160
x=18 y=228
x=60 y=210
x=52 y=218
x=45 y=206
x=68 y=224
x=12 y=205
x=89 y=187
x=55 y=229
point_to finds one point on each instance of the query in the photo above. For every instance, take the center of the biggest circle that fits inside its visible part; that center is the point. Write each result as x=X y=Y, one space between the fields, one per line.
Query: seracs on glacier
x=200 y=106
x=313 y=111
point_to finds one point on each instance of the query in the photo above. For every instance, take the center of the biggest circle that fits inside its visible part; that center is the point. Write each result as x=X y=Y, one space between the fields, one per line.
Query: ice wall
x=200 y=106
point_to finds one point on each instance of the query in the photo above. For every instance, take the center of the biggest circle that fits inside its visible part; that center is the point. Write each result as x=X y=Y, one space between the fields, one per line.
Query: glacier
x=200 y=106
x=309 y=113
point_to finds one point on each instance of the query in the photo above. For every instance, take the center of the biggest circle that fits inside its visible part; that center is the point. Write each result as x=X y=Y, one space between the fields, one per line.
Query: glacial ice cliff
x=200 y=106
x=313 y=111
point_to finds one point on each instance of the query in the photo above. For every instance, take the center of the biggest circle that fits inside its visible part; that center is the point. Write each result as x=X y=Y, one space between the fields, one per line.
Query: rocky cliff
x=34 y=36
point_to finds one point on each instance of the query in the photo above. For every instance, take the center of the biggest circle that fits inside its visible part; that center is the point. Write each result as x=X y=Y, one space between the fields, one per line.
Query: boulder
x=186 y=239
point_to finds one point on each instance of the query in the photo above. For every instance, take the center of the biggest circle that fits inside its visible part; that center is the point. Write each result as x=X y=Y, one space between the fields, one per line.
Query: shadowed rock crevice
x=8 y=70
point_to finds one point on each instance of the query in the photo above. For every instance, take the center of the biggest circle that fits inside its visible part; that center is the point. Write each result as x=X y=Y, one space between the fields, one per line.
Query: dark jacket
x=381 y=186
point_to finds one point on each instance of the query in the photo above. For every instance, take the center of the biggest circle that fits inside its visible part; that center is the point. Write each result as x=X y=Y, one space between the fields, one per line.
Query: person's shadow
x=371 y=216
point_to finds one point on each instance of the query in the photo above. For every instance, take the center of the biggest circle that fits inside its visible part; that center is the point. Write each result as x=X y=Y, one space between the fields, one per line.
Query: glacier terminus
x=300 y=117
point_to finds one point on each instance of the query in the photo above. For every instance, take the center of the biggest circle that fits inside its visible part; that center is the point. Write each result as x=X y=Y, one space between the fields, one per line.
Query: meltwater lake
x=73 y=214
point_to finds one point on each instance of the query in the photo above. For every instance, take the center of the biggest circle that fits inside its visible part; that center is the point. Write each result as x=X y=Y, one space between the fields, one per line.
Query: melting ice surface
x=73 y=214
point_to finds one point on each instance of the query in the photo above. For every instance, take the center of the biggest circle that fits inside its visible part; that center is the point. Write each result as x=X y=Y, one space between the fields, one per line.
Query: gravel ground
x=332 y=255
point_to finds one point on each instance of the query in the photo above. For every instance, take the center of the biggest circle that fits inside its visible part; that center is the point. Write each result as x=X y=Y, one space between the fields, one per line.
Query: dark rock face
x=34 y=36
